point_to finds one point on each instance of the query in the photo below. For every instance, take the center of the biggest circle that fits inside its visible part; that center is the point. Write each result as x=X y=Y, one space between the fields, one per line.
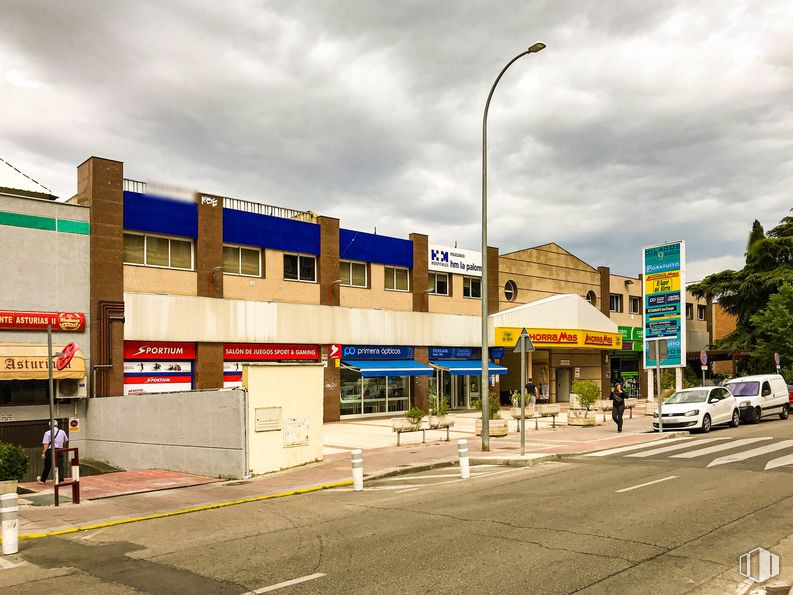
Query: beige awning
x=28 y=361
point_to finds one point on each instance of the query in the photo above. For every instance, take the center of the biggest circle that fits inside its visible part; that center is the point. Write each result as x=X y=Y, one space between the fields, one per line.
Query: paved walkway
x=379 y=460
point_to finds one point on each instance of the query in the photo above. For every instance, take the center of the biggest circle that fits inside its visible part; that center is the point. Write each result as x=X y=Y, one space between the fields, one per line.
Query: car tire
x=706 y=423
x=756 y=415
x=736 y=418
x=785 y=411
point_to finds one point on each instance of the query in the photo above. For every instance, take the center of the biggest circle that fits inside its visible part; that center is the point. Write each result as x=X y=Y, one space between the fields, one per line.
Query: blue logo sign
x=377 y=352
x=440 y=256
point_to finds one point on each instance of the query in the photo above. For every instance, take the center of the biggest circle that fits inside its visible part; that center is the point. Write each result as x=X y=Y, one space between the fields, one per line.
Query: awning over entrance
x=397 y=367
x=467 y=367
x=28 y=361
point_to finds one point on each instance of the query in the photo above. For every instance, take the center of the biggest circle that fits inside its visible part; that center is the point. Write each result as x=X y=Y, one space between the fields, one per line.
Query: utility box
x=285 y=413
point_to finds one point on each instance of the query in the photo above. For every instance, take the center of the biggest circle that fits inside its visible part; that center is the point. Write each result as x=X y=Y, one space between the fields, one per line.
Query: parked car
x=760 y=396
x=698 y=409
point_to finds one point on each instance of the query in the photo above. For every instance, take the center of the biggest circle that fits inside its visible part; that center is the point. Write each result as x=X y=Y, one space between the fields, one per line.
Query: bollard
x=9 y=512
x=462 y=452
x=357 y=471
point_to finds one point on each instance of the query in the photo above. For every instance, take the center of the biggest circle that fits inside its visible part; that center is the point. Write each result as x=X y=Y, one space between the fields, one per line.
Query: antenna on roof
x=455 y=243
x=375 y=230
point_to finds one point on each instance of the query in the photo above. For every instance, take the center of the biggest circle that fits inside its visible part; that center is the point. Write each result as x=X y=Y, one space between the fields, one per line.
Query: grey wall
x=200 y=432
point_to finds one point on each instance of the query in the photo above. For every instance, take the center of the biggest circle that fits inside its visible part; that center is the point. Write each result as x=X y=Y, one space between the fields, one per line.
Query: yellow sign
x=557 y=338
x=662 y=282
x=28 y=361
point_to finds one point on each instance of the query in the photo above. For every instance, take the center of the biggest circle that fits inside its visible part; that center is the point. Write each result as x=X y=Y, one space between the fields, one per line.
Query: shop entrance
x=563 y=377
x=460 y=390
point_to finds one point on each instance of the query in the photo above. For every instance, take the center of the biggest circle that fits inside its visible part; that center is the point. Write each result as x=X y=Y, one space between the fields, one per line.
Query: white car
x=760 y=396
x=699 y=409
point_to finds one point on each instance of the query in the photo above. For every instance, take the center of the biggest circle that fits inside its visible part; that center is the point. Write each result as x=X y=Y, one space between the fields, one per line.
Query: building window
x=592 y=298
x=238 y=260
x=635 y=304
x=396 y=279
x=615 y=302
x=510 y=291
x=298 y=267
x=472 y=287
x=439 y=283
x=158 y=251
x=353 y=274
x=700 y=312
x=689 y=311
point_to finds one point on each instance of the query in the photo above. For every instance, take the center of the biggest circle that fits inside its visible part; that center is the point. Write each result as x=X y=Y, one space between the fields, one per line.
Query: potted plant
x=13 y=467
x=414 y=415
x=515 y=398
x=498 y=427
x=586 y=395
x=435 y=410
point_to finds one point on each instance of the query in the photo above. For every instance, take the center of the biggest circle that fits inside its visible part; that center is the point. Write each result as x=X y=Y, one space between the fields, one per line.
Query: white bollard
x=9 y=513
x=357 y=471
x=462 y=452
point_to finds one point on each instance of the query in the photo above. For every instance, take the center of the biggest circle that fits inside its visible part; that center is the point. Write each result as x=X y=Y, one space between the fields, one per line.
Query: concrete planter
x=515 y=411
x=581 y=417
x=403 y=423
x=8 y=486
x=433 y=421
x=498 y=427
x=549 y=409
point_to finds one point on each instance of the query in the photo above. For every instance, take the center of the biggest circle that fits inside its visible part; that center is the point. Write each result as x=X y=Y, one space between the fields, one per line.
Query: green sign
x=637 y=334
x=625 y=331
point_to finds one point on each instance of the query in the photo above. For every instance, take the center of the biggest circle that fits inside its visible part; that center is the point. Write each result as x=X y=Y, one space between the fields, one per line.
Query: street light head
x=536 y=47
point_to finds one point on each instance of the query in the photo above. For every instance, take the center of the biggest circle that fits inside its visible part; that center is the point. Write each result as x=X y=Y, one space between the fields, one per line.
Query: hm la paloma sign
x=443 y=259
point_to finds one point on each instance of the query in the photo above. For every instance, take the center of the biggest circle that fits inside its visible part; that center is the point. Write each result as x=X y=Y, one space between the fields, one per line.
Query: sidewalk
x=379 y=460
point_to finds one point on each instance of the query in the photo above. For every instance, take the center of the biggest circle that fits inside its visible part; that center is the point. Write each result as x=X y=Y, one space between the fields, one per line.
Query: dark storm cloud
x=641 y=122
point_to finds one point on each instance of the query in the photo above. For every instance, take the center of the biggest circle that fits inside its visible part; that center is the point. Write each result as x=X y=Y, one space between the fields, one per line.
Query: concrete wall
x=191 y=432
x=297 y=389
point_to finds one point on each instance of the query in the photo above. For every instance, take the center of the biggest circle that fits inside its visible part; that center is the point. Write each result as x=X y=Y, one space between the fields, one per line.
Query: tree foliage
x=774 y=327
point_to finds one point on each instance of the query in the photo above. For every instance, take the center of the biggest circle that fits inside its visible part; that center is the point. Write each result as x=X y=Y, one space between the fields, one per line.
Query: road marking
x=439 y=476
x=294 y=581
x=620 y=449
x=719 y=447
x=780 y=462
x=407 y=490
x=755 y=452
x=649 y=483
x=657 y=451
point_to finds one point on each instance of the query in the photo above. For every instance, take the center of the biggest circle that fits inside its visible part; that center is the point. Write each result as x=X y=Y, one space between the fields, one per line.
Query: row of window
x=174 y=253
x=635 y=305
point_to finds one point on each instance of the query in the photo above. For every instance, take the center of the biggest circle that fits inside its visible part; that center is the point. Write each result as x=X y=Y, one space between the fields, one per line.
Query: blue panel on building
x=168 y=216
x=252 y=229
x=369 y=247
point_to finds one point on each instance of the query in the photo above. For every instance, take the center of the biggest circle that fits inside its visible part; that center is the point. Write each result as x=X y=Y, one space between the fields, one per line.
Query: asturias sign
x=455 y=260
x=38 y=321
x=160 y=350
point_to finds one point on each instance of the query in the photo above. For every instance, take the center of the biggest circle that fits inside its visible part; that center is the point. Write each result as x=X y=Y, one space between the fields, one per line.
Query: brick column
x=419 y=274
x=493 y=281
x=209 y=366
x=605 y=290
x=209 y=246
x=100 y=184
x=331 y=389
x=421 y=384
x=328 y=261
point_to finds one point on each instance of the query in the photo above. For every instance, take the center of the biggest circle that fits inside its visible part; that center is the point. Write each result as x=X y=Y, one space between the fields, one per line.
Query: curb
x=412 y=469
x=162 y=515
x=516 y=460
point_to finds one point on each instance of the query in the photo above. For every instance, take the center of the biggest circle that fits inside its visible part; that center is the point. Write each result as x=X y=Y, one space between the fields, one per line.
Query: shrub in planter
x=415 y=415
x=588 y=394
x=13 y=462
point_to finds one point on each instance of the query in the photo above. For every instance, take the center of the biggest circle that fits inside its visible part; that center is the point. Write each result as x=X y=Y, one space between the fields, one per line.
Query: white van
x=759 y=396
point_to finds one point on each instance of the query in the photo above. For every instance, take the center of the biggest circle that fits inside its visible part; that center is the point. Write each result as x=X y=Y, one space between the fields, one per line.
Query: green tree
x=774 y=327
x=757 y=234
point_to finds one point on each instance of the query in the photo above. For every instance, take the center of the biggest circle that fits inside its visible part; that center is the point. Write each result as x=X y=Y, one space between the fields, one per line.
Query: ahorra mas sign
x=555 y=338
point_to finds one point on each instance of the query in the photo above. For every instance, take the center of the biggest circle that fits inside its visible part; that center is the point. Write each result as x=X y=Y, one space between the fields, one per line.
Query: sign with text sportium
x=664 y=291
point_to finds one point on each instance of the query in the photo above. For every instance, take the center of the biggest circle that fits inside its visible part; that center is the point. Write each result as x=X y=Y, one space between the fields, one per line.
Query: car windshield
x=689 y=396
x=744 y=389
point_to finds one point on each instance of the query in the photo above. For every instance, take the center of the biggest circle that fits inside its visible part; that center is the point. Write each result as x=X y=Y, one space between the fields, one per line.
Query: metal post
x=522 y=398
x=9 y=512
x=55 y=477
x=658 y=384
x=462 y=453
x=357 y=470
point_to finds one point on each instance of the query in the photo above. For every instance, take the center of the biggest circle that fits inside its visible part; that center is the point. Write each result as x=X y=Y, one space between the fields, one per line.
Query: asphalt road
x=615 y=523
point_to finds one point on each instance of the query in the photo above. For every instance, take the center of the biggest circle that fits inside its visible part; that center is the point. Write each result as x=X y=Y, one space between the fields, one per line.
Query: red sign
x=334 y=352
x=776 y=359
x=67 y=353
x=160 y=350
x=257 y=352
x=38 y=321
x=703 y=357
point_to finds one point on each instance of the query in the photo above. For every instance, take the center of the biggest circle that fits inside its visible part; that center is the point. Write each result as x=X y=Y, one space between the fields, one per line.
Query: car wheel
x=785 y=411
x=736 y=419
x=756 y=415
x=706 y=423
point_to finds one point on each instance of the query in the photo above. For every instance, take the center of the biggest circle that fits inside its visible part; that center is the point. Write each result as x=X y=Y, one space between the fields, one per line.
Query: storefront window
x=350 y=392
x=380 y=395
x=398 y=393
x=24 y=392
x=374 y=395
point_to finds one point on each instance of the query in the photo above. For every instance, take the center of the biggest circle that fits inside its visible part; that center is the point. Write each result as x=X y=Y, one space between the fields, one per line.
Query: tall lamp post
x=485 y=384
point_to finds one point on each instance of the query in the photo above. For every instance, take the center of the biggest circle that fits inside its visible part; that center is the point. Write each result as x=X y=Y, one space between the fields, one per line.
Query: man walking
x=532 y=392
x=60 y=440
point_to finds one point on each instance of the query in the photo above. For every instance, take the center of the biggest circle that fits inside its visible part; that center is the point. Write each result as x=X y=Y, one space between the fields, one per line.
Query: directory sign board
x=664 y=291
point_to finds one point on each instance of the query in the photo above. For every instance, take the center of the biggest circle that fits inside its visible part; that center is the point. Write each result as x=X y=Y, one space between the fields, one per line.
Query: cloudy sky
x=641 y=122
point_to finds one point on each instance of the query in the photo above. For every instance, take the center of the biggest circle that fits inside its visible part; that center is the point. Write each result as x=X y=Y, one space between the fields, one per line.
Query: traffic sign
x=66 y=355
x=703 y=357
x=776 y=359
x=74 y=425
x=524 y=344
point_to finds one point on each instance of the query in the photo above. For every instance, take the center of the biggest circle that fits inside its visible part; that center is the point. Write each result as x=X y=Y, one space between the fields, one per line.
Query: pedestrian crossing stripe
x=621 y=449
x=663 y=449
x=719 y=447
x=755 y=452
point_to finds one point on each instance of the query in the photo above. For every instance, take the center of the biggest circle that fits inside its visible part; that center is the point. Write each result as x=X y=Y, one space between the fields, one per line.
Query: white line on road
x=620 y=449
x=780 y=462
x=657 y=451
x=294 y=581
x=701 y=452
x=649 y=483
x=407 y=490
x=755 y=452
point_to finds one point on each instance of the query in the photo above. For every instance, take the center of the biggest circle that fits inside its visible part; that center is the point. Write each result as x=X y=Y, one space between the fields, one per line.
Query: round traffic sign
x=703 y=357
x=776 y=359
x=67 y=353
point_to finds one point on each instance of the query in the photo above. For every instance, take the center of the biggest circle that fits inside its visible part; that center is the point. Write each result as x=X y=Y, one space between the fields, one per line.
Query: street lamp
x=485 y=384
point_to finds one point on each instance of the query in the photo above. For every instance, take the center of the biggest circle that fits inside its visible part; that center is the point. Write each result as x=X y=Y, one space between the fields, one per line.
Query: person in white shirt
x=61 y=438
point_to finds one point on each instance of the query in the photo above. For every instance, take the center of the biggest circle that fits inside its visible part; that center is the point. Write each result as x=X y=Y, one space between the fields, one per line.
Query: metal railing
x=134 y=186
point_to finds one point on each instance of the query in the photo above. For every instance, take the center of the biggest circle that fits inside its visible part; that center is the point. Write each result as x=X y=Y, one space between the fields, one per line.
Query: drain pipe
x=246 y=472
x=108 y=365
